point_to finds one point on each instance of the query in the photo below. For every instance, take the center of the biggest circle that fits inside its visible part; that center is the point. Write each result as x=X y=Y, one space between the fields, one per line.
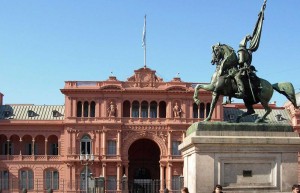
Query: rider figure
x=245 y=58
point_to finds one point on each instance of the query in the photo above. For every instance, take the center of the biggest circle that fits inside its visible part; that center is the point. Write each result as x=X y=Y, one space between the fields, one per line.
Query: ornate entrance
x=143 y=172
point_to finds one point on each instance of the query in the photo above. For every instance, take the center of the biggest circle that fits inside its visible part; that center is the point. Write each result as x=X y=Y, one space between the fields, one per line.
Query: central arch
x=144 y=156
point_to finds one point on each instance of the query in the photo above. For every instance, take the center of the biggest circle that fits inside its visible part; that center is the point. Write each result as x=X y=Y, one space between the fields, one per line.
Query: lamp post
x=86 y=160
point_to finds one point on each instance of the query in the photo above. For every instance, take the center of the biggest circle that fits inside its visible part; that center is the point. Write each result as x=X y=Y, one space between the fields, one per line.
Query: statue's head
x=216 y=53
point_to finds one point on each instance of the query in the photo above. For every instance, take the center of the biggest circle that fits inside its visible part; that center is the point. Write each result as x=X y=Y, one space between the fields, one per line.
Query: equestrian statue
x=235 y=76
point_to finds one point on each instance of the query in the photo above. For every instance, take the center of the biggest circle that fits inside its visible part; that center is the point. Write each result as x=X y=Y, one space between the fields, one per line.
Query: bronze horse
x=222 y=84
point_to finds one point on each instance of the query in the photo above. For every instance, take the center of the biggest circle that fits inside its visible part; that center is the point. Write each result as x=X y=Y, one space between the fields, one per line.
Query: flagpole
x=144 y=42
x=145 y=65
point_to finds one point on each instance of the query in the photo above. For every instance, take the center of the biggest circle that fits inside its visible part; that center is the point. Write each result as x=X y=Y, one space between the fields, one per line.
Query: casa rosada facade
x=113 y=129
x=128 y=128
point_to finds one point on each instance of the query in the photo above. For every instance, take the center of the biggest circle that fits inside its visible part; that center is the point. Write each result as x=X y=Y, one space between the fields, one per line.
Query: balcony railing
x=30 y=157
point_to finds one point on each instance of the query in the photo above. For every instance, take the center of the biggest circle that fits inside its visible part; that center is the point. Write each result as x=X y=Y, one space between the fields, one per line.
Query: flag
x=254 y=43
x=144 y=34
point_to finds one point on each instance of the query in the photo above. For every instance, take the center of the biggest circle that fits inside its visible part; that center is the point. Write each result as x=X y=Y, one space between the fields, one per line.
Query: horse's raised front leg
x=195 y=97
x=209 y=87
x=214 y=101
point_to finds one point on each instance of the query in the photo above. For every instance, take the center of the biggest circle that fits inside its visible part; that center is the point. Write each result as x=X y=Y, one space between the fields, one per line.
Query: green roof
x=32 y=112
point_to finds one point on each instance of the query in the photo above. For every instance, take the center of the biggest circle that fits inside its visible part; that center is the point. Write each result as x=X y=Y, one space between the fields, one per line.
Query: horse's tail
x=287 y=89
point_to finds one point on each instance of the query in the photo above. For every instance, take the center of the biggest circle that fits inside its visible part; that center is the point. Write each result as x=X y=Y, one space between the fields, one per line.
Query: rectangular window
x=4 y=180
x=111 y=148
x=85 y=147
x=175 y=150
x=176 y=183
x=26 y=179
x=111 y=183
x=51 y=180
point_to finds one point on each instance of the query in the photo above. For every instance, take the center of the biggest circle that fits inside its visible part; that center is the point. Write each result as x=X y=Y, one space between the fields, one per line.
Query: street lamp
x=86 y=160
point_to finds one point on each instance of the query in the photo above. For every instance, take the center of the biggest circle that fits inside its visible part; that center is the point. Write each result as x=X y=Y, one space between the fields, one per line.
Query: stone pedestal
x=242 y=157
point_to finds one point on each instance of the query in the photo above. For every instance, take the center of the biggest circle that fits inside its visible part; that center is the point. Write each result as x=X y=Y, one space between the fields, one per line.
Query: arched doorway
x=143 y=172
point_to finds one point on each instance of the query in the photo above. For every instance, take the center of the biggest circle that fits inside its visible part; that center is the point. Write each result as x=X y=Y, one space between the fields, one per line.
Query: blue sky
x=44 y=43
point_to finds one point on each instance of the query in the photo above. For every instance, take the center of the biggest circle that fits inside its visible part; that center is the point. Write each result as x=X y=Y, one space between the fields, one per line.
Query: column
x=7 y=149
x=119 y=177
x=169 y=110
x=119 y=108
x=103 y=143
x=191 y=109
x=169 y=143
x=21 y=145
x=82 y=109
x=70 y=180
x=96 y=145
x=73 y=133
x=32 y=148
x=8 y=146
x=169 y=178
x=140 y=110
x=100 y=108
x=158 y=115
x=99 y=143
x=70 y=141
x=119 y=144
x=46 y=144
x=162 y=174
x=58 y=146
x=104 y=170
x=73 y=108
x=89 y=109
x=149 y=110
x=130 y=110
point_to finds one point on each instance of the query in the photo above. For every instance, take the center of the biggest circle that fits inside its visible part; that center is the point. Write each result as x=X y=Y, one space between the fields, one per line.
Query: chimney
x=1 y=99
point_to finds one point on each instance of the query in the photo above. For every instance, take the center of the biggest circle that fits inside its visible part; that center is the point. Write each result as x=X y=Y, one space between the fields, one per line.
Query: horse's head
x=217 y=54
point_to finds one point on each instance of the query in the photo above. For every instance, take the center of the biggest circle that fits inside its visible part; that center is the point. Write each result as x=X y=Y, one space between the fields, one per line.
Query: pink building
x=130 y=128
x=126 y=129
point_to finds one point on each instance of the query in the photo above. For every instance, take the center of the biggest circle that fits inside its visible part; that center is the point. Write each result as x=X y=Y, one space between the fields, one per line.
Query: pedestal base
x=242 y=157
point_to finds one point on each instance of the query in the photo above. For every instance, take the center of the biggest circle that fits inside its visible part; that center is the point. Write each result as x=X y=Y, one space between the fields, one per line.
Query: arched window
x=202 y=108
x=85 y=145
x=51 y=179
x=162 y=109
x=79 y=109
x=4 y=182
x=86 y=109
x=153 y=109
x=135 y=109
x=144 y=109
x=195 y=111
x=126 y=109
x=26 y=179
x=207 y=109
x=92 y=109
